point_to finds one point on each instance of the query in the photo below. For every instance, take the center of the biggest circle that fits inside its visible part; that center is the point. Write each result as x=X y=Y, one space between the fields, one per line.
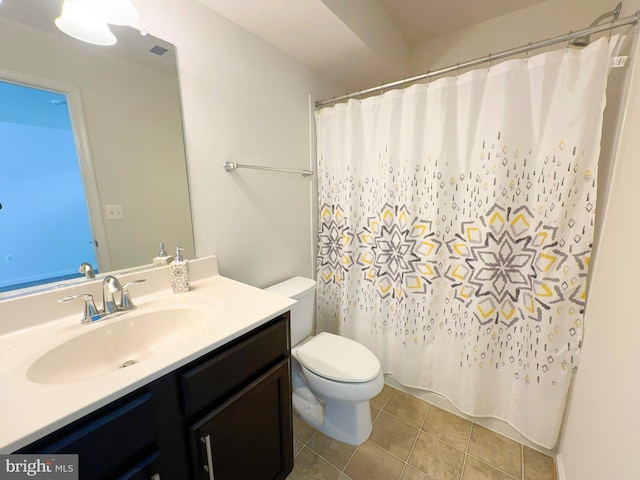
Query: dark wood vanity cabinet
x=226 y=415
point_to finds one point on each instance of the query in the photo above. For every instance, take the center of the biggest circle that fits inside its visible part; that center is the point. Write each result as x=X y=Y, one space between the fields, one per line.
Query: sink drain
x=128 y=363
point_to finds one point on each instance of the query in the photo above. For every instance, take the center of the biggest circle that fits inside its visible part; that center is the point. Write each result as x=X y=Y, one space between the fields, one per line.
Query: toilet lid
x=338 y=358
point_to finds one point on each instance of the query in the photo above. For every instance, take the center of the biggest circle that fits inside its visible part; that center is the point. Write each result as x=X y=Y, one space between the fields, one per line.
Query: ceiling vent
x=158 y=50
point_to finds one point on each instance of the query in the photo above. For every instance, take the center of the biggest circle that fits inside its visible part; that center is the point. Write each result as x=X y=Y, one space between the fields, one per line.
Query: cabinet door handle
x=209 y=466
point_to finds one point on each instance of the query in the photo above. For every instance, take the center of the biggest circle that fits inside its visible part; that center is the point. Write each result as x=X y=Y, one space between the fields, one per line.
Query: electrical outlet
x=114 y=212
x=8 y=258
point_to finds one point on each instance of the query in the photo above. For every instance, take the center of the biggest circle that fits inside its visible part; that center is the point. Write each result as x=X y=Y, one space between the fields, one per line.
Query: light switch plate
x=114 y=212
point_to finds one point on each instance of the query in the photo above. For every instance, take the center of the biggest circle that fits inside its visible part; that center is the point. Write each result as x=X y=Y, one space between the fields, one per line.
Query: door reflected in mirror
x=132 y=149
x=40 y=190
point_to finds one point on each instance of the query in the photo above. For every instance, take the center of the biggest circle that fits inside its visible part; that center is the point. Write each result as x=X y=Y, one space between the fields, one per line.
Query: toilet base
x=347 y=422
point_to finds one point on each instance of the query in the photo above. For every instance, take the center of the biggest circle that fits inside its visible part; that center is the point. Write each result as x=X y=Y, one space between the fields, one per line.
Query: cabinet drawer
x=214 y=380
x=108 y=442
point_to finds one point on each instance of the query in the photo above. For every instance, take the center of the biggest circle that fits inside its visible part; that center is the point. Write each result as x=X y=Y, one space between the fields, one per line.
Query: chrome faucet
x=87 y=270
x=110 y=286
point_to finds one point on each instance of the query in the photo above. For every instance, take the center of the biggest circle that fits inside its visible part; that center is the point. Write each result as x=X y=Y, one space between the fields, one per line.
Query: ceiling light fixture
x=88 y=20
x=80 y=21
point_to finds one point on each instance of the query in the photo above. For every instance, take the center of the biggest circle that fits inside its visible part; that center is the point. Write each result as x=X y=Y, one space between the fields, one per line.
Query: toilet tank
x=303 y=291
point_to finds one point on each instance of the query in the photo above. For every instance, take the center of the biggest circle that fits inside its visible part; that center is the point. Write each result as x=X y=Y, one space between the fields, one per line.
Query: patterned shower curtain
x=455 y=229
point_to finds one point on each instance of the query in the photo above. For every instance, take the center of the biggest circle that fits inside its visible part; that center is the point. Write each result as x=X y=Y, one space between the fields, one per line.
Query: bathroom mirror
x=128 y=131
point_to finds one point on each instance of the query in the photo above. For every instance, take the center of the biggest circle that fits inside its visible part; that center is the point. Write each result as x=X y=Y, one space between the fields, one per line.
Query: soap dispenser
x=162 y=258
x=179 y=273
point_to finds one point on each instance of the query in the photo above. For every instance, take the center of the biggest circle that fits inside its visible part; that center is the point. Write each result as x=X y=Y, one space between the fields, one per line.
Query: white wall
x=600 y=439
x=242 y=101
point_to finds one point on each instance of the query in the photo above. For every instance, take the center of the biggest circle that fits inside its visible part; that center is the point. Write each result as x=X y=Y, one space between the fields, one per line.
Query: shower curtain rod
x=630 y=20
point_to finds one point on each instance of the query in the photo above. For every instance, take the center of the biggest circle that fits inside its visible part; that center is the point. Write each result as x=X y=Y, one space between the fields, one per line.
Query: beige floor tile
x=496 y=450
x=447 y=427
x=411 y=473
x=407 y=408
x=302 y=431
x=393 y=435
x=343 y=477
x=371 y=462
x=436 y=458
x=297 y=446
x=379 y=400
x=309 y=466
x=537 y=466
x=474 y=469
x=335 y=452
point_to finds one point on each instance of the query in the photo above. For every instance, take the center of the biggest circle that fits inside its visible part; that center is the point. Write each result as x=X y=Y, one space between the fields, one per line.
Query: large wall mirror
x=126 y=118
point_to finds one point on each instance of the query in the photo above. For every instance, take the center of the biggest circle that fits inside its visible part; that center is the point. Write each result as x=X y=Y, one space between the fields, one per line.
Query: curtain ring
x=611 y=29
x=489 y=68
x=428 y=77
x=457 y=69
x=528 y=51
x=566 y=50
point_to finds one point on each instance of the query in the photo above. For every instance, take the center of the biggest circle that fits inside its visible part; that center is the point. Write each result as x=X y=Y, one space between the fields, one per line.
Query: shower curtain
x=455 y=229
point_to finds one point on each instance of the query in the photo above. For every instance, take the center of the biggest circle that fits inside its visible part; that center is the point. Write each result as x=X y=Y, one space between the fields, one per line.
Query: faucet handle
x=91 y=313
x=110 y=285
x=125 y=302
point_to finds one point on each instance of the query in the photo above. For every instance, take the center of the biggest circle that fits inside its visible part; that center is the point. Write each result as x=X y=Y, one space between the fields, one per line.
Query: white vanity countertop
x=30 y=410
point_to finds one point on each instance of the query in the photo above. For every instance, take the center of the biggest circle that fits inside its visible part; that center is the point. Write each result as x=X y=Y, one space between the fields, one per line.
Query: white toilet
x=333 y=377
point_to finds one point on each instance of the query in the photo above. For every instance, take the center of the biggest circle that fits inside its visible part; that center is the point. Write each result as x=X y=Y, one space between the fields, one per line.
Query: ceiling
x=357 y=43
x=420 y=20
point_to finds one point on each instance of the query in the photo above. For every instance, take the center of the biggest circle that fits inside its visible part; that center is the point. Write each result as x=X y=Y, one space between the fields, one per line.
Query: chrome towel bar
x=231 y=166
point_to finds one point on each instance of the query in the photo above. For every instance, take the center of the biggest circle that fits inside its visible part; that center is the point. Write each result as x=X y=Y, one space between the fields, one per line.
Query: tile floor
x=413 y=440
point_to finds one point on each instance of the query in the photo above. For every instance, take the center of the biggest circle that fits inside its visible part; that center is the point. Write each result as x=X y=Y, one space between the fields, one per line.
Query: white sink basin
x=119 y=343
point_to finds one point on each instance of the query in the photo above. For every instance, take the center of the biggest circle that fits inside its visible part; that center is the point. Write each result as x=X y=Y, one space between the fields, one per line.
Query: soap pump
x=162 y=258
x=179 y=273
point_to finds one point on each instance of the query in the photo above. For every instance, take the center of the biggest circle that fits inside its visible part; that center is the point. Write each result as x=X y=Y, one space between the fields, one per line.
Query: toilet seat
x=338 y=358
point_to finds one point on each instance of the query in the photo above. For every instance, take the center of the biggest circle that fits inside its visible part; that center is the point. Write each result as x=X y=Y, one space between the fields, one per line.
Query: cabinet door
x=250 y=436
